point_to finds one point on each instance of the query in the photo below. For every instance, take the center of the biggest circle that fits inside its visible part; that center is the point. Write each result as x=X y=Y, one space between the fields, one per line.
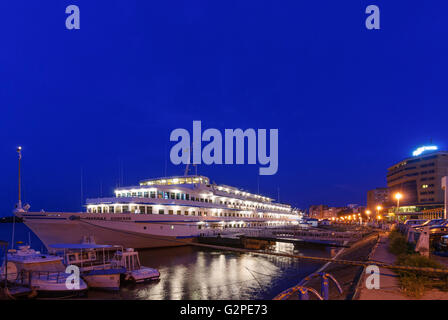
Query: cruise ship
x=167 y=211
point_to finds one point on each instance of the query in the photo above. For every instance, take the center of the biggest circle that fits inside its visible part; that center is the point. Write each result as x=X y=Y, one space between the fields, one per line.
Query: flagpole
x=19 y=151
x=19 y=204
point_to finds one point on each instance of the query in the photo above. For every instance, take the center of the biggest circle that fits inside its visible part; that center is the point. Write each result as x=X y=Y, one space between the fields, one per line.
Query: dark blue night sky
x=348 y=102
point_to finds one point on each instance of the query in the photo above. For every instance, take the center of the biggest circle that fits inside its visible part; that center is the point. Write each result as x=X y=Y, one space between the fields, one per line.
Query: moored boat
x=94 y=262
x=43 y=273
x=135 y=272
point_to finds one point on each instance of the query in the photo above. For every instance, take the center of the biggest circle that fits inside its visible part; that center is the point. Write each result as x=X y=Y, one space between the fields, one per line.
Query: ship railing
x=25 y=277
x=92 y=265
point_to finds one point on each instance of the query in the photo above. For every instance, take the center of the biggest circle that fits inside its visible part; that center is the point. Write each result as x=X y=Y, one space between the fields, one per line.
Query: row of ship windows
x=182 y=196
x=149 y=210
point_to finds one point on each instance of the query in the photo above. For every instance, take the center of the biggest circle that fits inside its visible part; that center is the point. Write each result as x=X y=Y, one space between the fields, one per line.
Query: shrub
x=414 y=283
x=398 y=244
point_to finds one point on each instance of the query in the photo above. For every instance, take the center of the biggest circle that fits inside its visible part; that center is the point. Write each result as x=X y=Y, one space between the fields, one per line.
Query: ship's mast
x=187 y=168
x=19 y=205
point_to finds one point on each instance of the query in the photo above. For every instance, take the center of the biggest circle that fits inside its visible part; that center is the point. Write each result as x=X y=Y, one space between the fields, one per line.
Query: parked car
x=439 y=228
x=415 y=222
x=437 y=232
x=430 y=223
x=442 y=245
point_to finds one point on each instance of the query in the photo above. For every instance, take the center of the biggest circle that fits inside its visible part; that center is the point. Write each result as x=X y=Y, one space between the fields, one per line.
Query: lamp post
x=445 y=188
x=368 y=212
x=398 y=196
x=19 y=152
x=378 y=209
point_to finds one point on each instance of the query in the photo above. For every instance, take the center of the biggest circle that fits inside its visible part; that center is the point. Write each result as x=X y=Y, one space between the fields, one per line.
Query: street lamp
x=368 y=212
x=378 y=209
x=398 y=196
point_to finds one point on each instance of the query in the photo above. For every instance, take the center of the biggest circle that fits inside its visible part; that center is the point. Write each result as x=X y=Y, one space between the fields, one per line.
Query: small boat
x=94 y=262
x=7 y=289
x=135 y=272
x=43 y=273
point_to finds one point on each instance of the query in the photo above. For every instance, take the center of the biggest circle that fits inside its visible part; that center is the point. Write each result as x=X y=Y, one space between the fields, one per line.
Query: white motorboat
x=94 y=262
x=135 y=272
x=41 y=272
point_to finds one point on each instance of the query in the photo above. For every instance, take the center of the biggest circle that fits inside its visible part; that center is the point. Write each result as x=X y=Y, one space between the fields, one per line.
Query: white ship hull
x=127 y=230
x=130 y=234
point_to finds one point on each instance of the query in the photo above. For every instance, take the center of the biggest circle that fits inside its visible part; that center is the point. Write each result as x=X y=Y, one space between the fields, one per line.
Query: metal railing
x=25 y=277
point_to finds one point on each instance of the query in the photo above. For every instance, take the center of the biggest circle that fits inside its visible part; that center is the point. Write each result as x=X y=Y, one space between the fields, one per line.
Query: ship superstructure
x=165 y=211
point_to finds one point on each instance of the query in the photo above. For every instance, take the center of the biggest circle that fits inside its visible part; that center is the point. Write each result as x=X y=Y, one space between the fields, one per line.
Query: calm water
x=198 y=273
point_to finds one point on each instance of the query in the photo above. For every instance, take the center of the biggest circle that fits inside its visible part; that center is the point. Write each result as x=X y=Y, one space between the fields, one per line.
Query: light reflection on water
x=198 y=273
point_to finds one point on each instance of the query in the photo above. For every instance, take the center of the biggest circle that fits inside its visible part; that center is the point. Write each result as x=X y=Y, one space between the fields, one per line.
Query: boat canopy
x=79 y=246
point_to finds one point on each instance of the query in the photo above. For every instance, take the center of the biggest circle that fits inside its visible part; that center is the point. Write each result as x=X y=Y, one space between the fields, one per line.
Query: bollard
x=422 y=246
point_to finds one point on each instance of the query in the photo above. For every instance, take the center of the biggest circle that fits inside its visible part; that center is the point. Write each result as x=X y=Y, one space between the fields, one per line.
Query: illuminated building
x=378 y=196
x=419 y=178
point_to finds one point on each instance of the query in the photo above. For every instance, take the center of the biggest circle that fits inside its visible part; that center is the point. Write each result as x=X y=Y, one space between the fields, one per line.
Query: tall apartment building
x=378 y=196
x=419 y=178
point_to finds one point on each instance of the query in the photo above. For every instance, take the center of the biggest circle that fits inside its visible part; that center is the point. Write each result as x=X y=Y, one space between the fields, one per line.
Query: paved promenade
x=389 y=283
